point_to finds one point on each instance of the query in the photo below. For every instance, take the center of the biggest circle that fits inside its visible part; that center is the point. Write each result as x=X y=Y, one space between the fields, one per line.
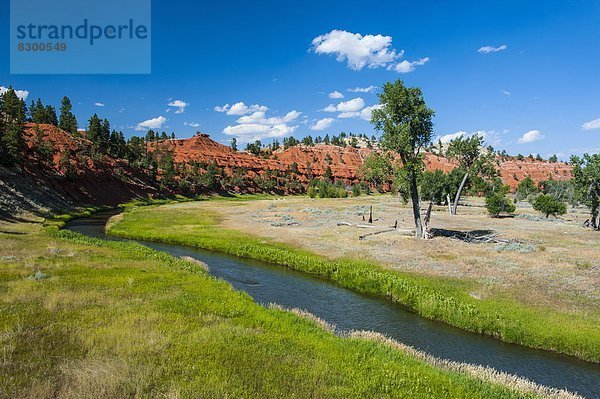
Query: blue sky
x=527 y=73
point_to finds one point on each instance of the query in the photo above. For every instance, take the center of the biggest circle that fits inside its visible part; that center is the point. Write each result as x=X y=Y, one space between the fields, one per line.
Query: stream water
x=349 y=310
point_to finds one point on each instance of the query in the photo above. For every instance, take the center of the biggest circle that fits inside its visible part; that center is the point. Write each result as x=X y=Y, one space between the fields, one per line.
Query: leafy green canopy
x=497 y=201
x=586 y=172
x=563 y=190
x=377 y=168
x=406 y=122
x=526 y=188
x=549 y=205
x=407 y=127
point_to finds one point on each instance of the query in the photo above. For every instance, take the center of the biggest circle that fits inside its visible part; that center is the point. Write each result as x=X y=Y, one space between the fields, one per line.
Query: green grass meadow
x=434 y=298
x=87 y=318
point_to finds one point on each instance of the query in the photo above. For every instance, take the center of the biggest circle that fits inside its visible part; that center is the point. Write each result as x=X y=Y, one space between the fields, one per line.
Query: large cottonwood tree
x=407 y=126
x=586 y=176
x=473 y=160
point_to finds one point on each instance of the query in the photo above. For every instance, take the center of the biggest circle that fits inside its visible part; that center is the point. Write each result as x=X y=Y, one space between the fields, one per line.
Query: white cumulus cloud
x=356 y=50
x=354 y=108
x=492 y=49
x=370 y=89
x=191 y=124
x=336 y=94
x=250 y=132
x=180 y=105
x=490 y=137
x=359 y=51
x=595 y=124
x=364 y=113
x=99 y=104
x=353 y=105
x=253 y=123
x=530 y=137
x=22 y=94
x=154 y=123
x=408 y=66
x=258 y=117
x=451 y=136
x=240 y=108
x=322 y=124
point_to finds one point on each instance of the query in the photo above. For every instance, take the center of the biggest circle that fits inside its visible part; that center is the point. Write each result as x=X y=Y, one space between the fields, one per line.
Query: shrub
x=549 y=205
x=323 y=188
x=520 y=247
x=356 y=190
x=563 y=191
x=38 y=276
x=526 y=188
x=498 y=202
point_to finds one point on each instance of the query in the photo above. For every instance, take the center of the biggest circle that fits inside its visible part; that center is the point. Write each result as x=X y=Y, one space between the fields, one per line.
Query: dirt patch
x=542 y=266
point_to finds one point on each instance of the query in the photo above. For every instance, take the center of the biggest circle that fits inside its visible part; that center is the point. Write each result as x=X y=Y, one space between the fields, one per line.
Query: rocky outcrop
x=41 y=186
x=344 y=162
x=54 y=183
x=513 y=171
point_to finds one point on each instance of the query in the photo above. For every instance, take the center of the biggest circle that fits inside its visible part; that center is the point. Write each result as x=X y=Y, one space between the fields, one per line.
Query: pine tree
x=37 y=111
x=150 y=136
x=67 y=168
x=94 y=130
x=13 y=108
x=67 y=121
x=95 y=135
x=12 y=144
x=104 y=134
x=45 y=148
x=50 y=116
x=13 y=112
x=31 y=111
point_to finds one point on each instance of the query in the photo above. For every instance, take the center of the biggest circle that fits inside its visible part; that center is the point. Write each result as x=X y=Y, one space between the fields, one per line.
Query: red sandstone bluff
x=343 y=161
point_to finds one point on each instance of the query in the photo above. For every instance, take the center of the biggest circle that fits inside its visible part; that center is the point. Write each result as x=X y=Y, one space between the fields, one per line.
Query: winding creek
x=349 y=310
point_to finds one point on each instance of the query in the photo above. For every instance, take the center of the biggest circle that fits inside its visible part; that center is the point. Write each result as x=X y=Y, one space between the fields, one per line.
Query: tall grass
x=435 y=298
x=117 y=319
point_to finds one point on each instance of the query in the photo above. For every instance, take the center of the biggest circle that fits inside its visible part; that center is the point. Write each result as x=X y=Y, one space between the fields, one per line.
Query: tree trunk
x=414 y=195
x=460 y=188
x=426 y=219
x=449 y=203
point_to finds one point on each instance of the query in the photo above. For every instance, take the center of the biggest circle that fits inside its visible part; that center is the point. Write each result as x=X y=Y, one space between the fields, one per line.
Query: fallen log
x=362 y=237
x=407 y=232
x=365 y=226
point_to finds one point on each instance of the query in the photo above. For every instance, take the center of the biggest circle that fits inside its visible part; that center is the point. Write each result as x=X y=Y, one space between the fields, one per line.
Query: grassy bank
x=86 y=318
x=436 y=298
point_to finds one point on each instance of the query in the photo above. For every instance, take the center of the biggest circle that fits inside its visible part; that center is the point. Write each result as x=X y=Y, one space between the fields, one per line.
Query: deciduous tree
x=586 y=172
x=473 y=161
x=407 y=126
x=549 y=205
